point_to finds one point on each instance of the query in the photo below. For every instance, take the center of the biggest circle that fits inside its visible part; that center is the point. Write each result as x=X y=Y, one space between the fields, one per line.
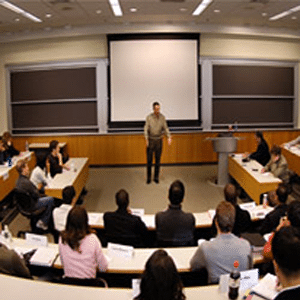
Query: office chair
x=26 y=207
x=95 y=282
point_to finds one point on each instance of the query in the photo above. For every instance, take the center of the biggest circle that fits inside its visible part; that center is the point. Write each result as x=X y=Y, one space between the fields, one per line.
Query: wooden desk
x=9 y=175
x=203 y=220
x=250 y=178
x=25 y=289
x=292 y=156
x=77 y=178
x=39 y=146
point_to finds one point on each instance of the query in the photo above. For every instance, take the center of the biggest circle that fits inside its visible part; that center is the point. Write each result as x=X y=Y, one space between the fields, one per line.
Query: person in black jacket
x=122 y=227
x=272 y=219
x=285 y=247
x=242 y=221
x=8 y=144
x=262 y=153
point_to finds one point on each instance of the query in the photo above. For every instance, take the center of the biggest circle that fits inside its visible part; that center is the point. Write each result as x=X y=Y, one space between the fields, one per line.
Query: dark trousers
x=154 y=147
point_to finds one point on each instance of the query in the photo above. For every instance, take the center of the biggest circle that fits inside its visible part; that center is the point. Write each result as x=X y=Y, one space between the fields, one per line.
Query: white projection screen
x=149 y=68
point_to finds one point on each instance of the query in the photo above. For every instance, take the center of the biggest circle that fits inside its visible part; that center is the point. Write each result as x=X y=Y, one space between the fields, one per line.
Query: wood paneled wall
x=117 y=149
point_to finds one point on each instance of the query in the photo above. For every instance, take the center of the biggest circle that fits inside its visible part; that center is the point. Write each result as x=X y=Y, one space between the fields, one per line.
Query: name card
x=36 y=239
x=5 y=176
x=119 y=250
x=247 y=206
x=136 y=282
x=248 y=280
x=138 y=211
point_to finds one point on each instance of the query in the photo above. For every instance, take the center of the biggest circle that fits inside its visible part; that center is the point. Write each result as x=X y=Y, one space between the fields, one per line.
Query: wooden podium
x=223 y=146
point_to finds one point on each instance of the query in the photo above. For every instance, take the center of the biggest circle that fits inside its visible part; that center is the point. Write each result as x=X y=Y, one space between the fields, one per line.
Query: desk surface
x=203 y=220
x=25 y=289
x=292 y=155
x=136 y=264
x=77 y=176
x=44 y=145
x=250 y=178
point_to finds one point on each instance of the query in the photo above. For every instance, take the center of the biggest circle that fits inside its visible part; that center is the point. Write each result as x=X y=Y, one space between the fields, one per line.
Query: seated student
x=175 y=227
x=55 y=159
x=79 y=248
x=24 y=184
x=292 y=219
x=12 y=264
x=286 y=247
x=242 y=220
x=60 y=213
x=11 y=150
x=277 y=165
x=219 y=254
x=261 y=154
x=38 y=174
x=160 y=280
x=272 y=219
x=3 y=153
x=122 y=227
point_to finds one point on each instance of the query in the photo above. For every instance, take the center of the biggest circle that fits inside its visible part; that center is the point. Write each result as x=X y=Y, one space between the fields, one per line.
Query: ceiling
x=80 y=14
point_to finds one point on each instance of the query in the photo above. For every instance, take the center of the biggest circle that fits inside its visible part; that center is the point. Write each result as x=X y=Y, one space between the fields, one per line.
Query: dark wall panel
x=55 y=114
x=53 y=84
x=227 y=111
x=253 y=80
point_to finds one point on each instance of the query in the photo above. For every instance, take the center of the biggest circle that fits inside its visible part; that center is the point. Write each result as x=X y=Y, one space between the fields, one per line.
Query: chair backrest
x=25 y=203
x=96 y=282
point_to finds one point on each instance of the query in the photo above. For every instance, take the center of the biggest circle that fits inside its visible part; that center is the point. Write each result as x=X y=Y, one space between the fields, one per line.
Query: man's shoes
x=40 y=224
x=156 y=180
x=148 y=181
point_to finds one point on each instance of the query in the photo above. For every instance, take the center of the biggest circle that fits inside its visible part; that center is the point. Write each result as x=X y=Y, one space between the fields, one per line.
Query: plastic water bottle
x=9 y=161
x=7 y=236
x=26 y=146
x=234 y=282
x=235 y=126
x=265 y=200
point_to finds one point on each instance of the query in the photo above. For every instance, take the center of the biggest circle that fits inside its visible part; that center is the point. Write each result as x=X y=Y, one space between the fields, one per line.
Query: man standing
x=25 y=185
x=155 y=127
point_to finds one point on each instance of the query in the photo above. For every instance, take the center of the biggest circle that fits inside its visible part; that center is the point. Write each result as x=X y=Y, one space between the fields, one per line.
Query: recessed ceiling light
x=99 y=11
x=17 y=20
x=294 y=18
x=217 y=11
x=264 y=14
x=183 y=9
x=133 y=9
x=48 y=15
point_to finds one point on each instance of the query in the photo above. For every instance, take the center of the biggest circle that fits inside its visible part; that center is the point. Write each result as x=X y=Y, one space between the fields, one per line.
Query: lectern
x=223 y=146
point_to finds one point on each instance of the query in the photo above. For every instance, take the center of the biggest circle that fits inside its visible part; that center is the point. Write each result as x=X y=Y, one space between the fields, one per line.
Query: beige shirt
x=156 y=127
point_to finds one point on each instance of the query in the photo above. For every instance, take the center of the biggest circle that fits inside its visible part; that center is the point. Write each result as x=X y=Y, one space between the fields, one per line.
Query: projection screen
x=148 y=68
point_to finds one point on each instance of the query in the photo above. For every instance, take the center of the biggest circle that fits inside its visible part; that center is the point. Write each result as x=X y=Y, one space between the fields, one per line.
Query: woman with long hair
x=160 y=280
x=79 y=248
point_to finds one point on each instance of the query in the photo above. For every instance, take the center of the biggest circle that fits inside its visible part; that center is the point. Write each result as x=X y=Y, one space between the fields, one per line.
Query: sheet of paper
x=267 y=287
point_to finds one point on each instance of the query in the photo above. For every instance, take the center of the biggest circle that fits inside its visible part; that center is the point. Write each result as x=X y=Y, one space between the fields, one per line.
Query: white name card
x=138 y=211
x=119 y=250
x=247 y=206
x=249 y=279
x=36 y=239
x=136 y=282
x=5 y=176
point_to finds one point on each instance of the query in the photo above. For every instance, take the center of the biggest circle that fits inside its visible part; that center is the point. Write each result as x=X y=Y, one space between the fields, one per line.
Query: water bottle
x=9 y=161
x=235 y=126
x=7 y=236
x=265 y=200
x=234 y=282
x=26 y=146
